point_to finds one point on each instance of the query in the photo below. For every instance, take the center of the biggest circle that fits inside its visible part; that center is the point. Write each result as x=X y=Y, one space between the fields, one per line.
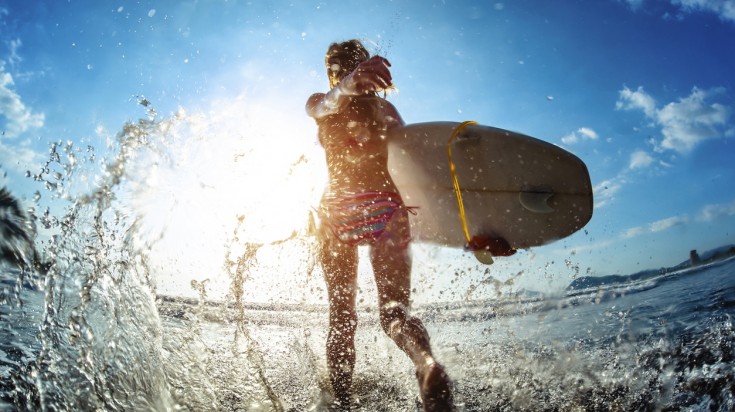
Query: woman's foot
x=435 y=388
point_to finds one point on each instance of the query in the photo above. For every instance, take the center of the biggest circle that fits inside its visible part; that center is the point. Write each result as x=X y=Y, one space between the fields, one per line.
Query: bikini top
x=355 y=125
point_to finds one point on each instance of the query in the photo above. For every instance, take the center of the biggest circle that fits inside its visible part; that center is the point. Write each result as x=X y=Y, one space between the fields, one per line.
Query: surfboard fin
x=483 y=256
x=536 y=199
x=484 y=247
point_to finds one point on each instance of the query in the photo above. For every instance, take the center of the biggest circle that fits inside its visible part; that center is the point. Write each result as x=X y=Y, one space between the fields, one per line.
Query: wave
x=517 y=304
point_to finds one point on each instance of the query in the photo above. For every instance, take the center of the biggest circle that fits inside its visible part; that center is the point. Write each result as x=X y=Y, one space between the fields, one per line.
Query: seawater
x=668 y=345
x=82 y=326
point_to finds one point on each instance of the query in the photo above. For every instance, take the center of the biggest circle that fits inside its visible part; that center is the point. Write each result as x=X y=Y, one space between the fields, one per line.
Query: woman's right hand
x=372 y=75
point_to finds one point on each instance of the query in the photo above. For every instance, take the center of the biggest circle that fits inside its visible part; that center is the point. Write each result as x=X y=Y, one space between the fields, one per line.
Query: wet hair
x=342 y=58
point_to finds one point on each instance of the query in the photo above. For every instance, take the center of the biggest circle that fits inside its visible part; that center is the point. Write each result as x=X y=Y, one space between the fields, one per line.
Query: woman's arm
x=372 y=75
x=321 y=105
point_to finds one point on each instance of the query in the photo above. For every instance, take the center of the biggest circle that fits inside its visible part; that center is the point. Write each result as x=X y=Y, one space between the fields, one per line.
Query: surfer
x=361 y=205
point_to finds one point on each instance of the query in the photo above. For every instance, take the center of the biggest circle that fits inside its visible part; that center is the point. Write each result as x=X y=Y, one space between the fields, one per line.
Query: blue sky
x=642 y=90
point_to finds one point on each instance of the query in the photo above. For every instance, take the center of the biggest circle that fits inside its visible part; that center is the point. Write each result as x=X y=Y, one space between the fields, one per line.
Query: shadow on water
x=83 y=328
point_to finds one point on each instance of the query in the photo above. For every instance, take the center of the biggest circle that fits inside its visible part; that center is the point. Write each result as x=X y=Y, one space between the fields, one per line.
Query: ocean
x=84 y=327
x=664 y=344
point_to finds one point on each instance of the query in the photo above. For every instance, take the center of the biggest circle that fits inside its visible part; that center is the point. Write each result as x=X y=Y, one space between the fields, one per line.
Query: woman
x=361 y=205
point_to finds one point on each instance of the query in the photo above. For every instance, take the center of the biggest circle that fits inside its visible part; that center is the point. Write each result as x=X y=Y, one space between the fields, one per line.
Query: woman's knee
x=392 y=314
x=398 y=324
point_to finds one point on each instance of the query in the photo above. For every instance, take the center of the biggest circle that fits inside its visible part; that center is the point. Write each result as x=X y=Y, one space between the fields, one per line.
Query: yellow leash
x=452 y=169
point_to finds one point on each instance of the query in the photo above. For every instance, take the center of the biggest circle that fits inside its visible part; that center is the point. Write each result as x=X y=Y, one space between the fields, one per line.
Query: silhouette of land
x=695 y=259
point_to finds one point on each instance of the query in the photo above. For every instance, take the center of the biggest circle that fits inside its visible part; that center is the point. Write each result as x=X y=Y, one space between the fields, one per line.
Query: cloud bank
x=18 y=118
x=657 y=226
x=724 y=9
x=708 y=213
x=684 y=123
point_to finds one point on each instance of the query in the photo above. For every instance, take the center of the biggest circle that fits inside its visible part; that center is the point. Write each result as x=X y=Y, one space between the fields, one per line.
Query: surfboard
x=525 y=190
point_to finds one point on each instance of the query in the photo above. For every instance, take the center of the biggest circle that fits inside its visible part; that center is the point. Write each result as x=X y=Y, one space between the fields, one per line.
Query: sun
x=245 y=172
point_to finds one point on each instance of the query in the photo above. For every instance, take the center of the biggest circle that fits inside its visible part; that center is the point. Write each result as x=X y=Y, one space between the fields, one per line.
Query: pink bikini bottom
x=355 y=218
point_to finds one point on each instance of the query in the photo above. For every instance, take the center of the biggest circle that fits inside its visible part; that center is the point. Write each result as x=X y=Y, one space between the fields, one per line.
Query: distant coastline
x=695 y=259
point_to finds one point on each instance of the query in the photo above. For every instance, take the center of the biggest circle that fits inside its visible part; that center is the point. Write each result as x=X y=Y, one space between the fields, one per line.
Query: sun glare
x=245 y=169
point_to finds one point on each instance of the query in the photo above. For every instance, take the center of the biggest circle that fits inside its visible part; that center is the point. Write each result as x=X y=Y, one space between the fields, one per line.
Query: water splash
x=98 y=341
x=98 y=294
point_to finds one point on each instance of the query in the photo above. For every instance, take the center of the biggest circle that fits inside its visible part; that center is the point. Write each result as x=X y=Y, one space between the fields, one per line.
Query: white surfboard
x=513 y=186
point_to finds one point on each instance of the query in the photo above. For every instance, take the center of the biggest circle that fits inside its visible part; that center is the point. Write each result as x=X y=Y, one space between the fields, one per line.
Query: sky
x=641 y=90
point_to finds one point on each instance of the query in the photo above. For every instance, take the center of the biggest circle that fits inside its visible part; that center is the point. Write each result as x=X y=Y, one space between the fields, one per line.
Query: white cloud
x=655 y=227
x=583 y=133
x=19 y=157
x=15 y=120
x=637 y=99
x=634 y=4
x=605 y=191
x=713 y=212
x=640 y=159
x=588 y=133
x=18 y=118
x=571 y=138
x=691 y=120
x=14 y=57
x=725 y=9
x=664 y=224
x=708 y=213
x=684 y=123
x=633 y=232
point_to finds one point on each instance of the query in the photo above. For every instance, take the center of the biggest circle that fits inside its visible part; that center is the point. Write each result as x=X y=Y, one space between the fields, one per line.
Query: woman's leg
x=391 y=260
x=339 y=262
